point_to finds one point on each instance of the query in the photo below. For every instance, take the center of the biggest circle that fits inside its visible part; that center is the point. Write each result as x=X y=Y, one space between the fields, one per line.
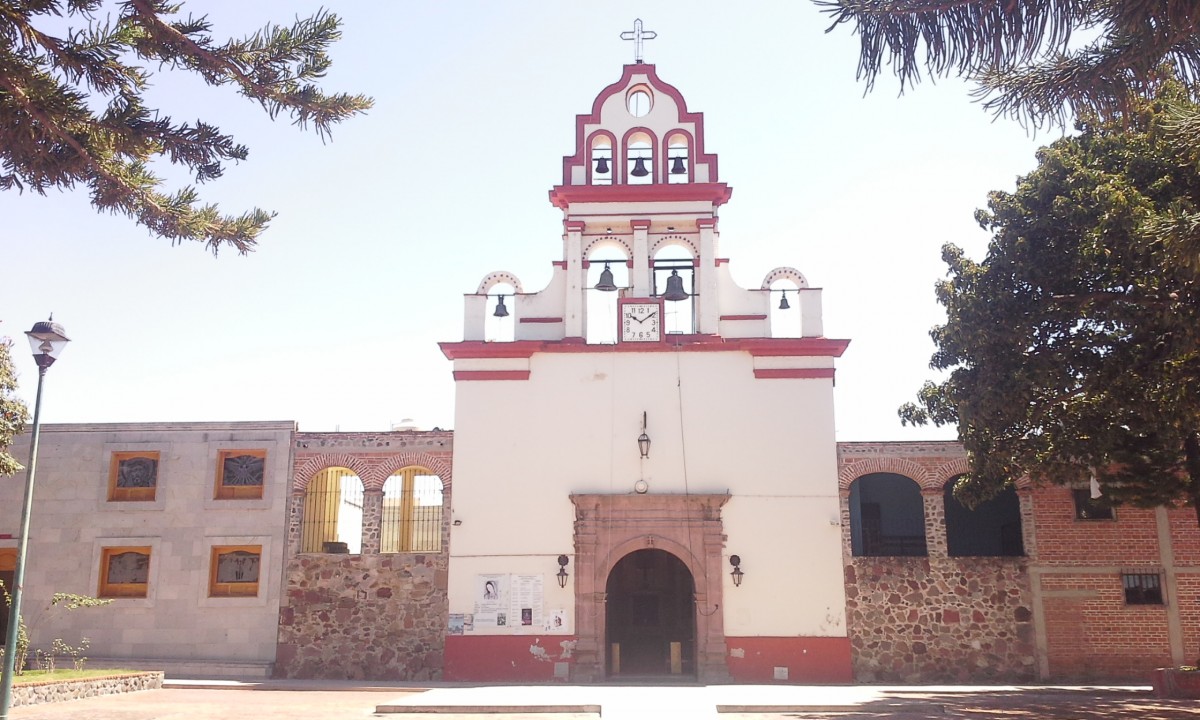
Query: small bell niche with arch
x=784 y=308
x=600 y=159
x=491 y=312
x=673 y=273
x=794 y=308
x=679 y=159
x=639 y=158
x=607 y=276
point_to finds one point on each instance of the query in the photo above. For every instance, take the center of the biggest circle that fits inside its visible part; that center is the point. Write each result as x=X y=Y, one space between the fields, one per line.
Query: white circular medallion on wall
x=640 y=487
x=639 y=101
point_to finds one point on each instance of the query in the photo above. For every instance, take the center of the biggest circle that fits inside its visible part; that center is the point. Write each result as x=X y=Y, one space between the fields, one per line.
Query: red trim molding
x=640 y=224
x=465 y=375
x=707 y=222
x=792 y=373
x=541 y=320
x=758 y=347
x=574 y=225
x=743 y=317
x=559 y=263
x=717 y=193
x=721 y=261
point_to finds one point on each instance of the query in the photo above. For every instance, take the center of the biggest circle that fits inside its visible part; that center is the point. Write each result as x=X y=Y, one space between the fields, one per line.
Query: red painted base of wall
x=808 y=659
x=503 y=658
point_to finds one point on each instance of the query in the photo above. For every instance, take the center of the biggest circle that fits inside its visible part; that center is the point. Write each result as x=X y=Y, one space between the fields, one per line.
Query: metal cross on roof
x=637 y=35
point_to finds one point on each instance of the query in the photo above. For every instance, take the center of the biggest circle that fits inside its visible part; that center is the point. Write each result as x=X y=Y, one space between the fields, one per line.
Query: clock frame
x=640 y=320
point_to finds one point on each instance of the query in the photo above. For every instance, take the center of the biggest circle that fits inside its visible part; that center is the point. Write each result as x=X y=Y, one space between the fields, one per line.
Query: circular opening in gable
x=639 y=101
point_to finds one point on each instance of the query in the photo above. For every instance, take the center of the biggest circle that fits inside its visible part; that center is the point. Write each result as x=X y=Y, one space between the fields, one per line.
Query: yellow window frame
x=232 y=589
x=122 y=590
x=238 y=492
x=139 y=494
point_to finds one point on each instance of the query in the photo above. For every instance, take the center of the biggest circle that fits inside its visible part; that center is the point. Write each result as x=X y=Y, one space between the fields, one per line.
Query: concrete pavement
x=292 y=700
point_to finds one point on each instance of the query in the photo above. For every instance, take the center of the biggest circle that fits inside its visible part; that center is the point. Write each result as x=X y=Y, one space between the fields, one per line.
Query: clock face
x=641 y=322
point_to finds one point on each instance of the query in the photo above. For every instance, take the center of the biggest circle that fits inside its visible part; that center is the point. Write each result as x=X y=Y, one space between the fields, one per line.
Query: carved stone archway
x=609 y=527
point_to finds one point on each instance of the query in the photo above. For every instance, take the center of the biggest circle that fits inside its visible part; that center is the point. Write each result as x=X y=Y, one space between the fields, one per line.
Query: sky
x=334 y=321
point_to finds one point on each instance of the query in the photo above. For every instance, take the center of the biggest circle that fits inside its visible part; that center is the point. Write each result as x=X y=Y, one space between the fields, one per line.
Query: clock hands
x=643 y=319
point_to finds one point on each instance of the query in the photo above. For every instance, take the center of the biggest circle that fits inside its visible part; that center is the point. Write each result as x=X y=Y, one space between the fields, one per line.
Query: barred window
x=333 y=513
x=412 y=512
x=1142 y=588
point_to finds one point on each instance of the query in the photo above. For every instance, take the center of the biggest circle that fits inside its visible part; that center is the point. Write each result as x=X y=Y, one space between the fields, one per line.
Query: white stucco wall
x=72 y=521
x=522 y=447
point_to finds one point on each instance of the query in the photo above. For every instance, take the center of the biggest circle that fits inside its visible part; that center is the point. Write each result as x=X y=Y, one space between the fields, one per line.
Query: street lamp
x=47 y=340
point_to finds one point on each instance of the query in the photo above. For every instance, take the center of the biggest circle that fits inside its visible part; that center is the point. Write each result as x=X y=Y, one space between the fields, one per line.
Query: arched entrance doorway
x=651 y=616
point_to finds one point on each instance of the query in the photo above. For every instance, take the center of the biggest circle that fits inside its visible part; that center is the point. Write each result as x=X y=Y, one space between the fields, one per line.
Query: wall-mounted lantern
x=737 y=574
x=644 y=439
x=562 y=570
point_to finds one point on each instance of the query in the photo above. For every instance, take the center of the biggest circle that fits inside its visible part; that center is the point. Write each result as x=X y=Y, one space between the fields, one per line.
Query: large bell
x=606 y=283
x=500 y=311
x=639 y=167
x=675 y=291
x=783 y=303
x=601 y=166
x=677 y=167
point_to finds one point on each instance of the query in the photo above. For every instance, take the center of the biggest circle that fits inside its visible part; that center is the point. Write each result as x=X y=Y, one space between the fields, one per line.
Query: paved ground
x=345 y=701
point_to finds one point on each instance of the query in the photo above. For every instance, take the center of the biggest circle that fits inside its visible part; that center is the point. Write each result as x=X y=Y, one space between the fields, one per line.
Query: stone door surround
x=609 y=527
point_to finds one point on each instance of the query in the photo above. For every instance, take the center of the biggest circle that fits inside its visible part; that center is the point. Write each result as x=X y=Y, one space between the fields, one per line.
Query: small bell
x=675 y=291
x=677 y=167
x=606 y=283
x=601 y=166
x=783 y=303
x=500 y=311
x=639 y=167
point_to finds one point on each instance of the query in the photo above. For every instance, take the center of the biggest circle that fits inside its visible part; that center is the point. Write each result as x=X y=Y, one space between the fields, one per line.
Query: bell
x=783 y=303
x=500 y=311
x=639 y=168
x=606 y=283
x=601 y=166
x=675 y=291
x=677 y=167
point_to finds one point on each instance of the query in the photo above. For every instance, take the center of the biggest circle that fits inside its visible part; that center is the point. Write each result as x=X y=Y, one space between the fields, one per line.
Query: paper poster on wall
x=491 y=601
x=556 y=622
x=456 y=624
x=525 y=602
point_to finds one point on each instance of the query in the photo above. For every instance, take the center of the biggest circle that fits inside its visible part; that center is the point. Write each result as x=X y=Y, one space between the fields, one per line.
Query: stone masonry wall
x=940 y=620
x=363 y=617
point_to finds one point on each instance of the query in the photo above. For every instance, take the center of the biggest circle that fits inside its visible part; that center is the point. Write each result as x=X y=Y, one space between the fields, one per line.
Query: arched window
x=993 y=528
x=639 y=159
x=601 y=168
x=412 y=512
x=333 y=513
x=675 y=261
x=679 y=160
x=887 y=516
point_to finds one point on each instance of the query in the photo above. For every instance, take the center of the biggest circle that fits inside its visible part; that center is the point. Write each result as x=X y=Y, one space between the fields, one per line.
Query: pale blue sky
x=334 y=321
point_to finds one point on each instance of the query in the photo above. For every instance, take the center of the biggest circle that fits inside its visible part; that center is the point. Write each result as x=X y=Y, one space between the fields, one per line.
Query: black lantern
x=562 y=570
x=737 y=574
x=644 y=439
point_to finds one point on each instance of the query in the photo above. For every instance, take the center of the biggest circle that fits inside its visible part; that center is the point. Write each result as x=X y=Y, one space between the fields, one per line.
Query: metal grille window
x=412 y=512
x=333 y=513
x=1142 y=588
x=1090 y=508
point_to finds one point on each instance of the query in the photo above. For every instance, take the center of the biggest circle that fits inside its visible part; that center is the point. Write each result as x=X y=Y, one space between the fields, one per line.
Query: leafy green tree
x=72 y=110
x=13 y=413
x=1073 y=348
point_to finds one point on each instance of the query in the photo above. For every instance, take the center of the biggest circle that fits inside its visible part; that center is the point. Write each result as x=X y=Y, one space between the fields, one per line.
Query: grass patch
x=36 y=676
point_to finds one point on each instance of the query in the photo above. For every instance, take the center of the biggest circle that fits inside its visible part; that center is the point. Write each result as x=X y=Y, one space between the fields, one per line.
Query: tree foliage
x=13 y=413
x=1073 y=348
x=1045 y=62
x=72 y=110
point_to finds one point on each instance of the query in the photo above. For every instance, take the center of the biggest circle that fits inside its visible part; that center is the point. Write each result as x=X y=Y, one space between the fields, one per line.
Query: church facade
x=643 y=482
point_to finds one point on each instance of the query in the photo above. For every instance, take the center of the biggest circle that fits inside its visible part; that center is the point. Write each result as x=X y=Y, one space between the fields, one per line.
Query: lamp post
x=47 y=340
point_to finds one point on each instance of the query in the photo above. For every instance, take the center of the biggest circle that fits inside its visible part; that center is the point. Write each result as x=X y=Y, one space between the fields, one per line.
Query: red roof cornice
x=563 y=195
x=758 y=347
